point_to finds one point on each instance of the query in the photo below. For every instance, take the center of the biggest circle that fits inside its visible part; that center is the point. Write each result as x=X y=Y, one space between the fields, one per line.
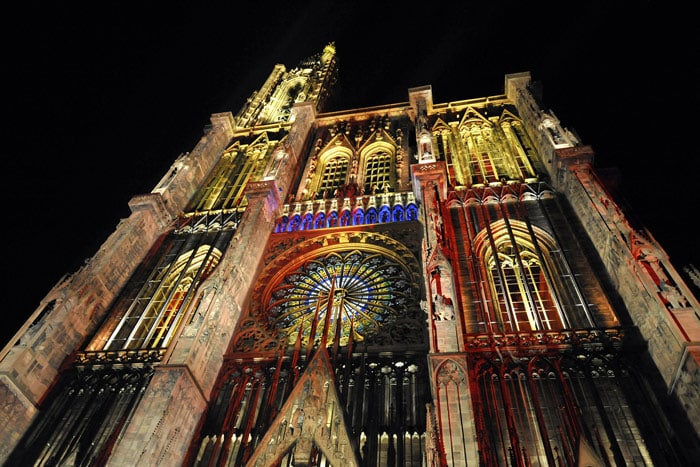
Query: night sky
x=100 y=98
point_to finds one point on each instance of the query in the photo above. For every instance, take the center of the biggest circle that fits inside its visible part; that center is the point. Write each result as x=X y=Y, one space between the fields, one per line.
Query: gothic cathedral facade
x=414 y=284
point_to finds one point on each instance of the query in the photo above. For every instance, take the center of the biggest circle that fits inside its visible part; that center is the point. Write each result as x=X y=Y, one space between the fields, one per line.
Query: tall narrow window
x=156 y=313
x=520 y=283
x=152 y=306
x=377 y=172
x=335 y=171
x=523 y=294
x=238 y=166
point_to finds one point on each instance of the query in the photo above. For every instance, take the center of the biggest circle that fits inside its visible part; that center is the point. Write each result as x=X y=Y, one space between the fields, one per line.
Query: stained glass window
x=345 y=291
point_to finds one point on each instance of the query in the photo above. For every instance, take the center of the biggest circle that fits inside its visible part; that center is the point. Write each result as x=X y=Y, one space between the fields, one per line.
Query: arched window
x=320 y=220
x=332 y=219
x=520 y=282
x=157 y=311
x=377 y=175
x=225 y=188
x=281 y=224
x=371 y=216
x=411 y=212
x=294 y=223
x=384 y=215
x=335 y=171
x=345 y=218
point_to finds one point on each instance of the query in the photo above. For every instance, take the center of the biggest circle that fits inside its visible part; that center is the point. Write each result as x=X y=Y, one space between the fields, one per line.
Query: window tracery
x=343 y=295
x=520 y=280
x=377 y=172
x=158 y=310
x=152 y=306
x=239 y=165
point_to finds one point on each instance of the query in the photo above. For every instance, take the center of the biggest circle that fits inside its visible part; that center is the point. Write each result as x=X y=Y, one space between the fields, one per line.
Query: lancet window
x=520 y=280
x=157 y=311
x=377 y=174
x=518 y=146
x=523 y=295
x=334 y=175
x=238 y=166
x=529 y=280
x=156 y=299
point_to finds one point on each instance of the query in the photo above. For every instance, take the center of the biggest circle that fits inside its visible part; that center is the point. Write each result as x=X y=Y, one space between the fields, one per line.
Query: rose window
x=343 y=296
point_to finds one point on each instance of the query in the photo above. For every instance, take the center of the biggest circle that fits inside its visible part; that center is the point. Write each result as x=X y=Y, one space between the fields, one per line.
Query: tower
x=409 y=284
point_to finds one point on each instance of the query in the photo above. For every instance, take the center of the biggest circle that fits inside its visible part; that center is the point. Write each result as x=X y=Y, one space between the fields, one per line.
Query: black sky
x=101 y=97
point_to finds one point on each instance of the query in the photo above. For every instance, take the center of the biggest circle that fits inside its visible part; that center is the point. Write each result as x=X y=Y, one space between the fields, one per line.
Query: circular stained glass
x=348 y=294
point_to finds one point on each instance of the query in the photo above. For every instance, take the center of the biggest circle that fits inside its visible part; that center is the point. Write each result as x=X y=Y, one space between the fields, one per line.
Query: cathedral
x=412 y=284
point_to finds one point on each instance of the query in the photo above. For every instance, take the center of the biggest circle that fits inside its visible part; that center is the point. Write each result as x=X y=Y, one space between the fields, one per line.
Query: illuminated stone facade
x=408 y=284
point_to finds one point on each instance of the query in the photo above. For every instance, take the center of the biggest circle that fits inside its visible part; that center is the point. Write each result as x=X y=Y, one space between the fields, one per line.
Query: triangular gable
x=339 y=140
x=262 y=139
x=470 y=113
x=236 y=146
x=440 y=125
x=508 y=115
x=437 y=258
x=311 y=416
x=379 y=136
x=587 y=457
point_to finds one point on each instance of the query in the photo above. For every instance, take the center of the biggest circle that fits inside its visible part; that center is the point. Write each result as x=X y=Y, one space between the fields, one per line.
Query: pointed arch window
x=377 y=172
x=226 y=186
x=523 y=294
x=159 y=308
x=152 y=306
x=520 y=280
x=335 y=171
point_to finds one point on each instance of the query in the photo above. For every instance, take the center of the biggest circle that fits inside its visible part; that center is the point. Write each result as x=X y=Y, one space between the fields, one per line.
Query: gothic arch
x=154 y=315
x=500 y=231
x=378 y=167
x=521 y=276
x=450 y=371
x=332 y=172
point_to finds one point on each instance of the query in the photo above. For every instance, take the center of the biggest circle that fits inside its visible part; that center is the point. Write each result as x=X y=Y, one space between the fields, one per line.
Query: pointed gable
x=472 y=115
x=311 y=416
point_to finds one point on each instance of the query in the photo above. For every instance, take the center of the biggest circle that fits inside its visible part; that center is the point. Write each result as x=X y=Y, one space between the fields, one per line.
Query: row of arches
x=347 y=218
x=550 y=410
